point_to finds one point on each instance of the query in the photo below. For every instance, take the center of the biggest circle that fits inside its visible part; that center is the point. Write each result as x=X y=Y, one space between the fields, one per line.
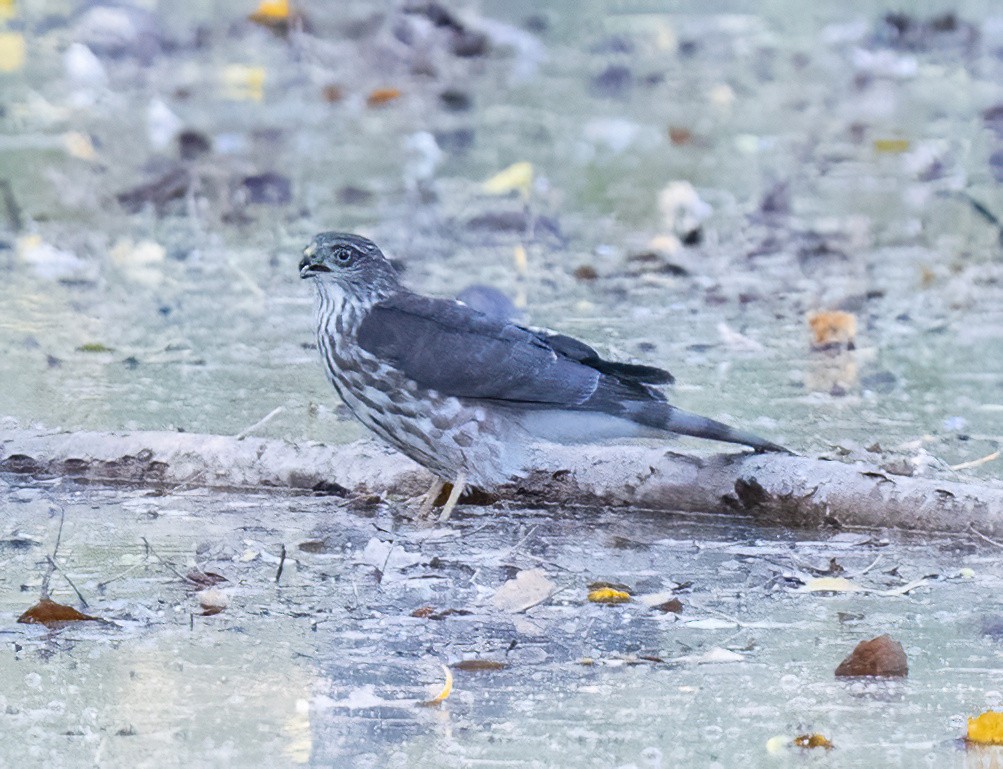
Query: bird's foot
x=454 y=496
x=428 y=502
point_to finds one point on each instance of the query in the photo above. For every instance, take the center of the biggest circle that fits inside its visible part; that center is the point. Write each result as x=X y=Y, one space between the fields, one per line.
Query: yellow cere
x=986 y=729
x=608 y=595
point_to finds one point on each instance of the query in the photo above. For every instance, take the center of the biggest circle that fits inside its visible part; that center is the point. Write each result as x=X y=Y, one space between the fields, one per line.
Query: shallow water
x=325 y=665
x=207 y=325
x=834 y=165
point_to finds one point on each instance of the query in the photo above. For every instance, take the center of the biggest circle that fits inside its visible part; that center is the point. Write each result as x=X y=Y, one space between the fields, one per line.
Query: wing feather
x=449 y=347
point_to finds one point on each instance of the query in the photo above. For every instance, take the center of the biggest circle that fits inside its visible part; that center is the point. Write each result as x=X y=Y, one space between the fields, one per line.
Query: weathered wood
x=772 y=488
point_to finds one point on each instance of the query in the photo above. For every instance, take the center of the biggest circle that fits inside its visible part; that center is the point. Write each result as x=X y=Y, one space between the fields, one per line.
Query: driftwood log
x=771 y=488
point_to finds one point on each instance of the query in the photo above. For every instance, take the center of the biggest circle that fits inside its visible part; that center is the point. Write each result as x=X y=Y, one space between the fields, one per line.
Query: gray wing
x=448 y=347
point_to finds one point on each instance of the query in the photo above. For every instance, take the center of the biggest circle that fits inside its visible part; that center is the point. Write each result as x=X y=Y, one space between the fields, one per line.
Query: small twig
x=976 y=462
x=977 y=533
x=282 y=562
x=59 y=532
x=168 y=564
x=190 y=479
x=103 y=585
x=56 y=567
x=13 y=210
x=871 y=566
x=264 y=420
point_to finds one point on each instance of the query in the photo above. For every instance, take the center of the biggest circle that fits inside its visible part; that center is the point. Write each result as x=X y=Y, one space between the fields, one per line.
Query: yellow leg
x=430 y=496
x=454 y=496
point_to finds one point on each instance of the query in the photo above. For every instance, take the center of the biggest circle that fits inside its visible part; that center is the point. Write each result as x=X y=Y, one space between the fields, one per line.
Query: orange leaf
x=381 y=96
x=813 y=741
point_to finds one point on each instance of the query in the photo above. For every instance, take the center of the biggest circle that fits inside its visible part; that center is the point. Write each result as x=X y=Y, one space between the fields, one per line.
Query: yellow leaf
x=608 y=595
x=243 y=83
x=831 y=585
x=891 y=146
x=447 y=689
x=520 y=259
x=518 y=176
x=79 y=146
x=272 y=10
x=12 y=49
x=986 y=729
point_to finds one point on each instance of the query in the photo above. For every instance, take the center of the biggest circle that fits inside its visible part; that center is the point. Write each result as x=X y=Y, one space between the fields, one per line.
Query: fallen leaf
x=608 y=595
x=243 y=83
x=831 y=585
x=529 y=588
x=12 y=51
x=891 y=146
x=430 y=612
x=679 y=135
x=832 y=328
x=447 y=689
x=380 y=96
x=205 y=578
x=986 y=728
x=713 y=656
x=882 y=656
x=212 y=600
x=472 y=666
x=712 y=623
x=94 y=347
x=271 y=11
x=51 y=614
x=672 y=606
x=332 y=93
x=812 y=741
x=517 y=177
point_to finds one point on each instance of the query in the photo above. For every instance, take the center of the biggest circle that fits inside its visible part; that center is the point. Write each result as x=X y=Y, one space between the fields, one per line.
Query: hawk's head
x=353 y=262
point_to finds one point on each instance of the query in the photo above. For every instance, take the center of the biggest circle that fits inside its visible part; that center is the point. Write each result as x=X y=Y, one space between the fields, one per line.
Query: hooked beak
x=308 y=267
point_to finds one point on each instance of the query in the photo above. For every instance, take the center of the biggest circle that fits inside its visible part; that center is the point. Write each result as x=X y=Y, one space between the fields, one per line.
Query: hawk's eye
x=343 y=256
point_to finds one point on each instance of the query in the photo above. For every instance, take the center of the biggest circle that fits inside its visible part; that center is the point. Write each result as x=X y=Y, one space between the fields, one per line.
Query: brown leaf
x=430 y=612
x=313 y=546
x=472 y=666
x=204 y=578
x=813 y=741
x=51 y=614
x=673 y=605
x=881 y=656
